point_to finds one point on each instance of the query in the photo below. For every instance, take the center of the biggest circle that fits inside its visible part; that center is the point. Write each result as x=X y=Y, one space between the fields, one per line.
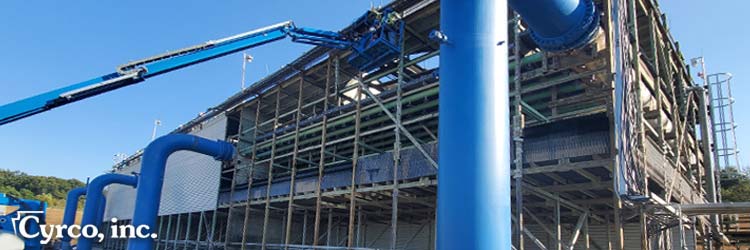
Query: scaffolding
x=334 y=158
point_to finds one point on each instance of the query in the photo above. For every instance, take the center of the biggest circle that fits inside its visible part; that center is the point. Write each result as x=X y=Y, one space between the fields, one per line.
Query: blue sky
x=50 y=44
x=718 y=31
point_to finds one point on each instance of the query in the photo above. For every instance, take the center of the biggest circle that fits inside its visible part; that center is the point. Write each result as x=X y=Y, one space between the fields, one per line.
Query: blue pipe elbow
x=151 y=180
x=69 y=215
x=94 y=198
x=559 y=25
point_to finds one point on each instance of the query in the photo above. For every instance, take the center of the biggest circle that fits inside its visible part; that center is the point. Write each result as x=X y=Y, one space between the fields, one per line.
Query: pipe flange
x=576 y=37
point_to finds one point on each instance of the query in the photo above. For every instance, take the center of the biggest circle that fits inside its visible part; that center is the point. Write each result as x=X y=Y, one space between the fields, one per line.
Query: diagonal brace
x=531 y=236
x=577 y=230
x=400 y=127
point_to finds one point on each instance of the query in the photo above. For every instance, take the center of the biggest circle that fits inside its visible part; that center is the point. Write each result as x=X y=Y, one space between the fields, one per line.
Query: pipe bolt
x=438 y=36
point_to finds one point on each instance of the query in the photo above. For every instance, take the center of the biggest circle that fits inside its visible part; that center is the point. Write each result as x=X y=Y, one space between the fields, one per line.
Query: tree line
x=49 y=189
x=735 y=185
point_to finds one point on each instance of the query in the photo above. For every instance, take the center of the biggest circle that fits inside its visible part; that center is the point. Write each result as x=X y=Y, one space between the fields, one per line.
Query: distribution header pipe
x=153 y=166
x=94 y=198
x=474 y=192
x=69 y=215
x=559 y=25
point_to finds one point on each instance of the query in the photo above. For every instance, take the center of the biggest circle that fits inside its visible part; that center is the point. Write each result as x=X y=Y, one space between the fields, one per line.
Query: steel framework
x=334 y=158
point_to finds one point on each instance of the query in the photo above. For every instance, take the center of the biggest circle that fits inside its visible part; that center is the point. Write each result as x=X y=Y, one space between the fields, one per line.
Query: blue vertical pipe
x=559 y=25
x=69 y=215
x=474 y=191
x=93 y=204
x=102 y=208
x=152 y=176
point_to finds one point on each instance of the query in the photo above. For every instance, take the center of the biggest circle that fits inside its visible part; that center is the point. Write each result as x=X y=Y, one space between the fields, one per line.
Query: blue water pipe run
x=474 y=192
x=559 y=25
x=69 y=215
x=102 y=207
x=92 y=208
x=151 y=180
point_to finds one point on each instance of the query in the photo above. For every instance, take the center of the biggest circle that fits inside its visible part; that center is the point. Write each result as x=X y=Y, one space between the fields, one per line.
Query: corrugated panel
x=122 y=207
x=565 y=145
x=597 y=235
x=410 y=236
x=371 y=169
x=191 y=180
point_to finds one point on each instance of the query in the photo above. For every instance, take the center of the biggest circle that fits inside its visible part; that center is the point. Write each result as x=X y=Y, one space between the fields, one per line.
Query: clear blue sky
x=718 y=30
x=49 y=44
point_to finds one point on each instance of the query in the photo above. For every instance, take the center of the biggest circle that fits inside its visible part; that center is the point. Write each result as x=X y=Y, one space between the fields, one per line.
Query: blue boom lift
x=374 y=43
x=10 y=223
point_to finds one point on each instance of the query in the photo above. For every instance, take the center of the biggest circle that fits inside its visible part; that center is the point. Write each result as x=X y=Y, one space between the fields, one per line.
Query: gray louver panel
x=191 y=180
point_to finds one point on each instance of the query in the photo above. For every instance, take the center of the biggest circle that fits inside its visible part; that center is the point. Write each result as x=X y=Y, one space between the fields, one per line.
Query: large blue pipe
x=474 y=192
x=94 y=199
x=69 y=215
x=559 y=25
x=152 y=176
x=102 y=208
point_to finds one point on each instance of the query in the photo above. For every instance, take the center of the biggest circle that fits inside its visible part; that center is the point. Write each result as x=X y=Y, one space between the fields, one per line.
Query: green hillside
x=45 y=188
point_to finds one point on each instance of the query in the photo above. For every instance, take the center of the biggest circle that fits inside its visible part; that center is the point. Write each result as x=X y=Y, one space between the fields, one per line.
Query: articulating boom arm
x=139 y=71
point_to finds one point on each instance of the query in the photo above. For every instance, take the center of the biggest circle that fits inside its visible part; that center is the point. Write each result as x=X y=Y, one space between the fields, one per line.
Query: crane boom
x=140 y=70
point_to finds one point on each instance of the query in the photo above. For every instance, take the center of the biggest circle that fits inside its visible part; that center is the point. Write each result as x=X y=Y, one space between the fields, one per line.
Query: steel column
x=330 y=224
x=290 y=206
x=270 y=172
x=177 y=231
x=558 y=227
x=166 y=238
x=187 y=230
x=321 y=163
x=518 y=132
x=397 y=149
x=246 y=223
x=355 y=156
x=200 y=230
